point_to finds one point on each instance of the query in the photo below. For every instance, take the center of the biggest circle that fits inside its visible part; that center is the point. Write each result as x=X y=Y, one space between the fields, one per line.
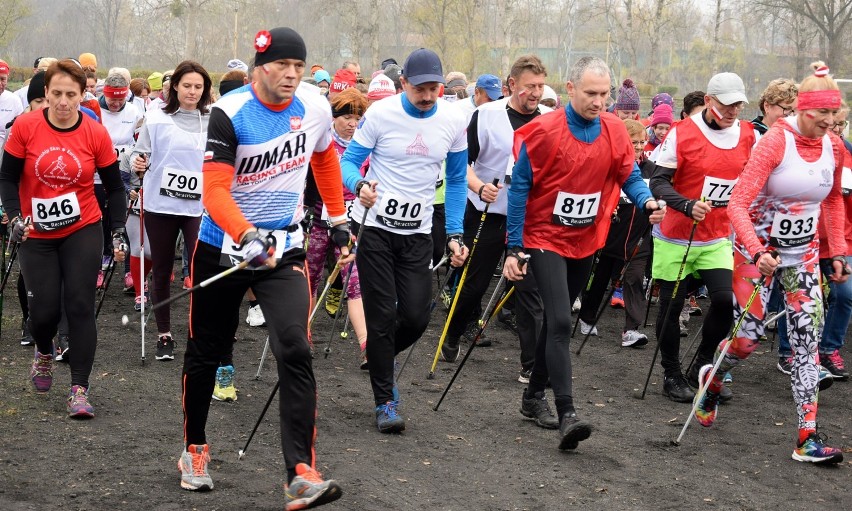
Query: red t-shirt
x=57 y=184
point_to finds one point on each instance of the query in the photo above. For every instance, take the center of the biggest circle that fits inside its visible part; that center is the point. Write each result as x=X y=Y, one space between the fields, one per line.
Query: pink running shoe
x=41 y=372
x=78 y=403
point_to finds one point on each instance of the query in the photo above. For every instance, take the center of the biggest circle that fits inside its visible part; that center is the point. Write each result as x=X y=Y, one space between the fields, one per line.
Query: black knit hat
x=278 y=43
x=36 y=88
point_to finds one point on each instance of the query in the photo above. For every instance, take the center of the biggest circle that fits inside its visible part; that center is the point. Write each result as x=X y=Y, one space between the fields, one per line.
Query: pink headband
x=817 y=99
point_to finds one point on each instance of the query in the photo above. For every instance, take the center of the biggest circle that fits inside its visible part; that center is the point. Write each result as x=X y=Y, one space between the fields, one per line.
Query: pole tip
x=431 y=376
x=240 y=454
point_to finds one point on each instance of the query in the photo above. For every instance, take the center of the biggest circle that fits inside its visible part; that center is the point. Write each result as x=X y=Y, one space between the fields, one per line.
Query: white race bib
x=399 y=213
x=134 y=206
x=347 y=203
x=232 y=254
x=793 y=230
x=717 y=191
x=55 y=213
x=576 y=210
x=181 y=184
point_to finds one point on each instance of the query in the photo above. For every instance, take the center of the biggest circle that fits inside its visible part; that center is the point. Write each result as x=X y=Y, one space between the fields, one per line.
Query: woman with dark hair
x=46 y=185
x=168 y=155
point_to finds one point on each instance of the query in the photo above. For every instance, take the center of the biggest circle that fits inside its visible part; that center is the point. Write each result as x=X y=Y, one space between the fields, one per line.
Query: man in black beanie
x=260 y=140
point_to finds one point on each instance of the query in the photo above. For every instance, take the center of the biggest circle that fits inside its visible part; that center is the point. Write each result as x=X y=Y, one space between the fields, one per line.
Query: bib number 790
x=576 y=210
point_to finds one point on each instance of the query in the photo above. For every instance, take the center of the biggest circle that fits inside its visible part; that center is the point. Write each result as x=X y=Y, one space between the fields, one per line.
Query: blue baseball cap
x=322 y=76
x=491 y=85
x=423 y=66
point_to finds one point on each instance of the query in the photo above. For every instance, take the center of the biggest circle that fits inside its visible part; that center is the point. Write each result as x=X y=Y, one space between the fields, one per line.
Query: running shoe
x=684 y=331
x=727 y=378
x=100 y=283
x=677 y=389
x=308 y=490
x=332 y=301
x=702 y=292
x=708 y=405
x=577 y=305
x=694 y=308
x=255 y=316
x=165 y=348
x=814 y=450
x=633 y=339
x=826 y=380
x=572 y=431
x=524 y=376
x=537 y=409
x=224 y=389
x=62 y=346
x=137 y=306
x=388 y=419
x=617 y=300
x=128 y=284
x=450 y=351
x=26 y=336
x=834 y=364
x=785 y=365
x=41 y=372
x=193 y=468
x=470 y=335
x=78 y=403
x=587 y=329
x=187 y=282
x=654 y=293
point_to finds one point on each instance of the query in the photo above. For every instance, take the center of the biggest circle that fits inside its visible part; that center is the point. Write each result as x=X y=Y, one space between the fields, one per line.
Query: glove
x=516 y=253
x=257 y=248
x=19 y=227
x=457 y=238
x=340 y=235
x=120 y=242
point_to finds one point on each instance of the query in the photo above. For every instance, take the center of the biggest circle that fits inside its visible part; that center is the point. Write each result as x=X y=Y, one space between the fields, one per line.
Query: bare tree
x=829 y=16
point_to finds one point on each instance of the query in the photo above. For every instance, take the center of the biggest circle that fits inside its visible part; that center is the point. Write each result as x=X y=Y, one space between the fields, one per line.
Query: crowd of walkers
x=387 y=179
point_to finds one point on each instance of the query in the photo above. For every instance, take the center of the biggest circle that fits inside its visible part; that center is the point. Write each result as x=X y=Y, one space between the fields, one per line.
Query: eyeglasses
x=841 y=124
x=786 y=110
x=739 y=105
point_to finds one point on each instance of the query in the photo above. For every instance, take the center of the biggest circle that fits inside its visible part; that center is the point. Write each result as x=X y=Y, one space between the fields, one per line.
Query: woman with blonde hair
x=793 y=174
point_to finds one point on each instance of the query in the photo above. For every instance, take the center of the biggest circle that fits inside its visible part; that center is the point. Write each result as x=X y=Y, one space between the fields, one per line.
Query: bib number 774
x=576 y=210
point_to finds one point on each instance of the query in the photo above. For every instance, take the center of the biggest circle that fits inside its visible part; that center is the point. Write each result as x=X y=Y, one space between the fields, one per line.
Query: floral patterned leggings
x=804 y=303
x=318 y=246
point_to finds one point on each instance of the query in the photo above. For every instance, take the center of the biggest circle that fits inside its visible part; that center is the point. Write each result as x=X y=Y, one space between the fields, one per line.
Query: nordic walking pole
x=662 y=204
x=327 y=349
x=588 y=286
x=328 y=282
x=110 y=272
x=211 y=280
x=483 y=324
x=242 y=452
x=461 y=283
x=703 y=385
x=142 y=319
x=669 y=308
x=2 y=267
x=648 y=293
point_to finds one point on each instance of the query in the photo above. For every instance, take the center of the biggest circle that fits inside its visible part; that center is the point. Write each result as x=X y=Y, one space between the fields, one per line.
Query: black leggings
x=560 y=281
x=72 y=262
x=396 y=285
x=716 y=325
x=213 y=319
x=162 y=231
x=634 y=296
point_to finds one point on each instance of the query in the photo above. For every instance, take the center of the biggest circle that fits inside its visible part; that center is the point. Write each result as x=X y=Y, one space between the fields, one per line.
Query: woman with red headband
x=793 y=174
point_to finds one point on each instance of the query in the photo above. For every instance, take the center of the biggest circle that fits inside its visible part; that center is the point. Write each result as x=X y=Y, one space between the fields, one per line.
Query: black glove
x=457 y=238
x=18 y=227
x=340 y=234
x=120 y=241
x=257 y=248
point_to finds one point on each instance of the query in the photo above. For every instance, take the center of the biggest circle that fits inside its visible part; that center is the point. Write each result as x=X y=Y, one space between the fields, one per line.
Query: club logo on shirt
x=418 y=147
x=282 y=159
x=295 y=123
x=827 y=178
x=58 y=167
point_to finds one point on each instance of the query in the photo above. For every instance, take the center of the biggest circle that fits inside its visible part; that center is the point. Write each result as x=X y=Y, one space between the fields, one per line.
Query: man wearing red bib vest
x=699 y=163
x=571 y=165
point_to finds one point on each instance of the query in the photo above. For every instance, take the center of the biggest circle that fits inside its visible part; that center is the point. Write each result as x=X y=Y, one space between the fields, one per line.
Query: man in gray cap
x=698 y=166
x=409 y=136
x=260 y=140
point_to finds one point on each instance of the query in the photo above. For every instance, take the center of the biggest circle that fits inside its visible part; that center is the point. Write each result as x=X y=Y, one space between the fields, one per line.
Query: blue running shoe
x=388 y=419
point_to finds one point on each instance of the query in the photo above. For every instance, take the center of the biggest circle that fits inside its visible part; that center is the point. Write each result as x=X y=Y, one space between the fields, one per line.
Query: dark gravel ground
x=476 y=452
